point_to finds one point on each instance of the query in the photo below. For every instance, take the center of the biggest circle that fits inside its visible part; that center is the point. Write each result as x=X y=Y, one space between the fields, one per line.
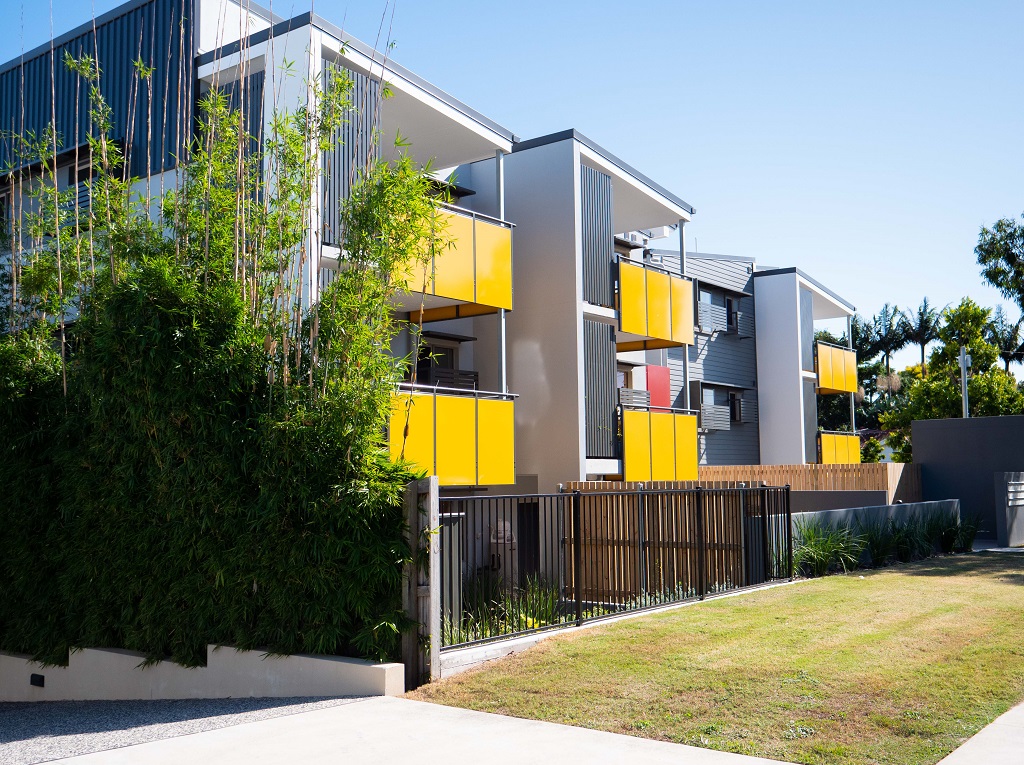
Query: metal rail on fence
x=517 y=564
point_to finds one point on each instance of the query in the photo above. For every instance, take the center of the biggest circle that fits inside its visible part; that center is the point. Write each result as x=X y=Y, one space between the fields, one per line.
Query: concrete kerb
x=457 y=660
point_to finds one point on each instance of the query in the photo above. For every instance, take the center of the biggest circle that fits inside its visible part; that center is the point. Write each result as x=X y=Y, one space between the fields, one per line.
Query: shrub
x=910 y=538
x=966 y=531
x=878 y=541
x=821 y=548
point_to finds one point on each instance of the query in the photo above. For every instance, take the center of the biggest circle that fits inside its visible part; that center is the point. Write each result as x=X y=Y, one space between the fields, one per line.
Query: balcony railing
x=715 y=417
x=659 y=445
x=838 y=448
x=476 y=271
x=836 y=368
x=465 y=438
x=655 y=306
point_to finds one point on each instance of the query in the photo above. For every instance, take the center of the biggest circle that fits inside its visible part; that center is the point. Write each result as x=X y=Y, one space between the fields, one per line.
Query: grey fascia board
x=812 y=280
x=104 y=18
x=715 y=256
x=717 y=384
x=574 y=134
x=311 y=19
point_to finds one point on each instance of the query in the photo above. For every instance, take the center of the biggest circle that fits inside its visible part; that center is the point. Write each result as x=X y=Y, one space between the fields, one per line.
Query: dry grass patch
x=900 y=666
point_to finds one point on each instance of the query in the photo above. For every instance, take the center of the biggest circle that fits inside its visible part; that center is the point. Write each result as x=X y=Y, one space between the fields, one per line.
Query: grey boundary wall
x=854 y=515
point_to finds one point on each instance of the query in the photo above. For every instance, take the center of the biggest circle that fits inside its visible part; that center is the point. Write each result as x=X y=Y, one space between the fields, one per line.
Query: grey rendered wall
x=854 y=515
x=721 y=358
x=1009 y=494
x=817 y=501
x=959 y=458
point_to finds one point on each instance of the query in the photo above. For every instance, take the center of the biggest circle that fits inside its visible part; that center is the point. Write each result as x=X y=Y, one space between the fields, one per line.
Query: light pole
x=965 y=364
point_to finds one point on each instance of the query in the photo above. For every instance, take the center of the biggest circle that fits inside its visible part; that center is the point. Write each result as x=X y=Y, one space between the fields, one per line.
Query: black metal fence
x=513 y=565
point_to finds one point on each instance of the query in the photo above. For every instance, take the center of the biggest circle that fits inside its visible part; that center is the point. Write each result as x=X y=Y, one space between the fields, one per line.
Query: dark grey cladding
x=157 y=32
x=597 y=236
x=599 y=389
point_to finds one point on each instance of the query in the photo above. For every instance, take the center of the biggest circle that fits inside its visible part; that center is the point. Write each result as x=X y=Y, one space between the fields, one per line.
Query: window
x=732 y=308
x=624 y=376
x=735 y=406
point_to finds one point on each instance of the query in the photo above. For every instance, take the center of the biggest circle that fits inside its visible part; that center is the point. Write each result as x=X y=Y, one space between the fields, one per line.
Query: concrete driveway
x=384 y=730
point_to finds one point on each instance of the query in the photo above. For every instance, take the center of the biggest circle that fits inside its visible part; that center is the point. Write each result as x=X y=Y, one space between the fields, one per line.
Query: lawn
x=899 y=666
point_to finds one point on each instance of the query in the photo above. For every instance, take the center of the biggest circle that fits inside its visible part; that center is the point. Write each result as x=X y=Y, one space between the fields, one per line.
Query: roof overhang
x=638 y=203
x=438 y=127
x=826 y=303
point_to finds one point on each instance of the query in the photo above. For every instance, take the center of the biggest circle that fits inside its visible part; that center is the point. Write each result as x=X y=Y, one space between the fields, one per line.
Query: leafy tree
x=1007 y=336
x=863 y=338
x=922 y=327
x=1000 y=253
x=871 y=451
x=966 y=324
x=991 y=393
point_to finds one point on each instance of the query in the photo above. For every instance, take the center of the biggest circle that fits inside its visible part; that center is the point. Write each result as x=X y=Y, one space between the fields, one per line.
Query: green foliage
x=878 y=541
x=204 y=460
x=871 y=450
x=822 y=548
x=922 y=327
x=1007 y=336
x=1000 y=253
x=966 y=324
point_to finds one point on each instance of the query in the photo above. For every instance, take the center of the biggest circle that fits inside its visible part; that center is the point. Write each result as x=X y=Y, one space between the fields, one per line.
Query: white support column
x=853 y=399
x=687 y=404
x=499 y=176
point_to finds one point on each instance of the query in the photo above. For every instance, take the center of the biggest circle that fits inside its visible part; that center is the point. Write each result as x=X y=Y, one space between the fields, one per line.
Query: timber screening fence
x=513 y=565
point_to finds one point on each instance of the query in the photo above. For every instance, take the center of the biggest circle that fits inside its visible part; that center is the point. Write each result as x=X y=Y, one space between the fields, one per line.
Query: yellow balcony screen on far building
x=659 y=446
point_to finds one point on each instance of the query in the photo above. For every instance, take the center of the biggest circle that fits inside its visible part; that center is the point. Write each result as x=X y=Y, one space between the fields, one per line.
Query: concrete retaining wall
x=814 y=501
x=96 y=674
x=854 y=515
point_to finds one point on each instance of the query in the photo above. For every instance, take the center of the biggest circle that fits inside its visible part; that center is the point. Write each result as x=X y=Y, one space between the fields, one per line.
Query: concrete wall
x=814 y=501
x=107 y=674
x=959 y=459
x=779 y=392
x=545 y=329
x=1009 y=496
x=854 y=515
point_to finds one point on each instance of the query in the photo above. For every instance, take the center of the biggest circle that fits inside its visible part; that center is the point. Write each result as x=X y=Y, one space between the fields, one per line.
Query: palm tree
x=922 y=327
x=1006 y=336
x=890 y=335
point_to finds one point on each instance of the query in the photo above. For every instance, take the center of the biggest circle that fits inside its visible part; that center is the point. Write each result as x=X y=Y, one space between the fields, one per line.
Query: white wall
x=779 y=390
x=545 y=329
x=225 y=21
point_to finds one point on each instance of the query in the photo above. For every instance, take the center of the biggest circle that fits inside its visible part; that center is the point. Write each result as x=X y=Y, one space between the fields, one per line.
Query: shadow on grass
x=1004 y=567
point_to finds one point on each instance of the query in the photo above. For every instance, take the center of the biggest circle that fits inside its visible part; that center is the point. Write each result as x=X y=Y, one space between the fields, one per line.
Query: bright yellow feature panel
x=636 y=445
x=632 y=299
x=686 y=446
x=828 y=449
x=853 y=450
x=453 y=268
x=840 y=449
x=659 y=305
x=682 y=311
x=493 y=265
x=456 y=440
x=418 y=411
x=496 y=445
x=851 y=372
x=824 y=367
x=663 y=447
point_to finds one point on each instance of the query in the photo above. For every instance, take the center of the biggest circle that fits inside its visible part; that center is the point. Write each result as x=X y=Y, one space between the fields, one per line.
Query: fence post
x=641 y=542
x=702 y=573
x=789 y=532
x=577 y=554
x=767 y=567
x=743 y=533
x=421 y=593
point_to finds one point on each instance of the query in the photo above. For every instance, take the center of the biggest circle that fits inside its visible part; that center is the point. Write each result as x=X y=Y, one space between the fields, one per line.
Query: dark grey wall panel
x=599 y=389
x=597 y=236
x=806 y=330
x=354 y=147
x=159 y=33
x=729 y=274
x=959 y=459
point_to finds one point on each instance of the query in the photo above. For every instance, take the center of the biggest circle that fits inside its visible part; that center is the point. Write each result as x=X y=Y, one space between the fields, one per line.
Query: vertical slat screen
x=599 y=389
x=597 y=236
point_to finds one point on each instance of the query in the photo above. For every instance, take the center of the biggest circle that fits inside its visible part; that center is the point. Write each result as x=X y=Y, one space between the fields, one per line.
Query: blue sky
x=864 y=143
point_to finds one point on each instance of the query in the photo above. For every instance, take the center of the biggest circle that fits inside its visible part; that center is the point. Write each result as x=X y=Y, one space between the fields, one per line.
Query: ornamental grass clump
x=822 y=548
x=192 y=447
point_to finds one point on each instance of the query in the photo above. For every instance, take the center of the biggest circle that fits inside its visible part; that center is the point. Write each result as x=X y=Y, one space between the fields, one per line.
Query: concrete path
x=999 y=743
x=400 y=730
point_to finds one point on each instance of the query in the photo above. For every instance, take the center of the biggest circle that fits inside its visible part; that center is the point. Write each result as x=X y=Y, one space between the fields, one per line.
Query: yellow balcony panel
x=839 y=449
x=636 y=445
x=463 y=440
x=659 y=446
x=496 y=442
x=493 y=265
x=663 y=447
x=454 y=272
x=659 y=305
x=456 y=440
x=632 y=300
x=655 y=309
x=682 y=311
x=416 y=442
x=837 y=369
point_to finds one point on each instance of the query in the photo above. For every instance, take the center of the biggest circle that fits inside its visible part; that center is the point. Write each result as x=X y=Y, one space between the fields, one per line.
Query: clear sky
x=865 y=143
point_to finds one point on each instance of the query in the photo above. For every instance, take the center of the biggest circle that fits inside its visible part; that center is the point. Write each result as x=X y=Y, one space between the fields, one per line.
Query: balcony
x=836 y=368
x=655 y=308
x=716 y=417
x=471 y=278
x=658 y=446
x=838 y=449
x=465 y=438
